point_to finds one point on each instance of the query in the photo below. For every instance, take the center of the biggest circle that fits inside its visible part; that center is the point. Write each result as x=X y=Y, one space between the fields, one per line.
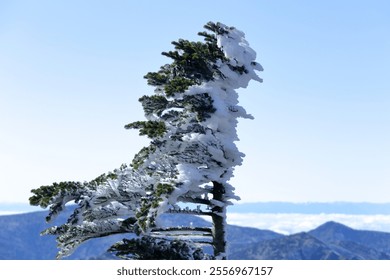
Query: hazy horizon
x=263 y=207
x=285 y=223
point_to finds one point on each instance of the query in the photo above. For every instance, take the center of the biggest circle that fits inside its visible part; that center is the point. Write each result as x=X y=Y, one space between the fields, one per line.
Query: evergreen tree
x=191 y=120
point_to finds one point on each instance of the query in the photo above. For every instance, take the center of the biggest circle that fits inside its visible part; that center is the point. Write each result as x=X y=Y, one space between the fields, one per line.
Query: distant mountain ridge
x=20 y=239
x=351 y=208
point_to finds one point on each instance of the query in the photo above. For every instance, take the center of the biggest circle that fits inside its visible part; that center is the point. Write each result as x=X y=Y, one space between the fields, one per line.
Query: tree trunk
x=218 y=217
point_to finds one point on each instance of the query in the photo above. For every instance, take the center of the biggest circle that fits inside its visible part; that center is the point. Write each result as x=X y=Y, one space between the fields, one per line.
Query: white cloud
x=293 y=223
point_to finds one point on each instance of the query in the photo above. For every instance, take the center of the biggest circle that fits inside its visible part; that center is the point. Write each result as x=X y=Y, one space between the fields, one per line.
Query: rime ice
x=191 y=120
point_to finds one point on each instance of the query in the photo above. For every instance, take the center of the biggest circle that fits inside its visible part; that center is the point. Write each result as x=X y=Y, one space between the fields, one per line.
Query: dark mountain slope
x=301 y=246
x=20 y=237
x=327 y=242
x=334 y=233
x=20 y=233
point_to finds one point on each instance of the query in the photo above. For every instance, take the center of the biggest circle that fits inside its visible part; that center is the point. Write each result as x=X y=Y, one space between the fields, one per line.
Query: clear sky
x=71 y=73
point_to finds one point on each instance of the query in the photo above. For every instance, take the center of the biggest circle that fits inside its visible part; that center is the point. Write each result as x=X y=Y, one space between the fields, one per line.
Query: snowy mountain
x=337 y=234
x=330 y=241
x=20 y=239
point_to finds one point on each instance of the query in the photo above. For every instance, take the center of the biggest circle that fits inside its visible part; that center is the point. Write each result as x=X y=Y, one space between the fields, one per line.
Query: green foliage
x=104 y=177
x=155 y=104
x=177 y=85
x=193 y=63
x=142 y=214
x=44 y=194
x=202 y=104
x=194 y=60
x=152 y=129
x=239 y=69
x=150 y=248
x=58 y=194
x=164 y=189
x=146 y=217
x=158 y=78
x=142 y=155
x=215 y=28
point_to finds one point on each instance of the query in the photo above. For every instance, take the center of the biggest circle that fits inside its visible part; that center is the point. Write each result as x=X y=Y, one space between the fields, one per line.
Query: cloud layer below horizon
x=294 y=223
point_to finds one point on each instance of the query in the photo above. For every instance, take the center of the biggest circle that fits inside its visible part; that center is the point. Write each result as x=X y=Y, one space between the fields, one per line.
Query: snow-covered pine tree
x=191 y=119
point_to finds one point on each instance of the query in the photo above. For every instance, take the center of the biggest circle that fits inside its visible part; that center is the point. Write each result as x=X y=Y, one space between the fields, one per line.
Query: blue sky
x=71 y=73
